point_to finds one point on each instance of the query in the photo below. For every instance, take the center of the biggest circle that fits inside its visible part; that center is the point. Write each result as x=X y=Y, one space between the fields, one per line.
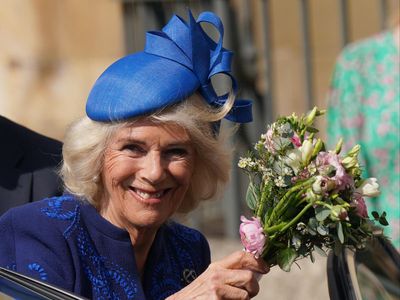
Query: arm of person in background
x=28 y=165
x=345 y=116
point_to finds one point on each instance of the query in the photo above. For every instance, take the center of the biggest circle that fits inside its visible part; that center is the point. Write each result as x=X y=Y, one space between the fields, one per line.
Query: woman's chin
x=148 y=220
x=149 y=212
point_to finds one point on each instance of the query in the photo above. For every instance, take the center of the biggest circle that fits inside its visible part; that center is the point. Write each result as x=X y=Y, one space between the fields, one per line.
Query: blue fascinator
x=176 y=62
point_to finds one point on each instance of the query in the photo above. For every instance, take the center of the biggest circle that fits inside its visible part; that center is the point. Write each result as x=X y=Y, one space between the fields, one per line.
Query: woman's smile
x=149 y=197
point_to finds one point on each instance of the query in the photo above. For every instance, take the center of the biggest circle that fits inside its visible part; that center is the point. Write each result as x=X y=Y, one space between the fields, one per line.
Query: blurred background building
x=52 y=51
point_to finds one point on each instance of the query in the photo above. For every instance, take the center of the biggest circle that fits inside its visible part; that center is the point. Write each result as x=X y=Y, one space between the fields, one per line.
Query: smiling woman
x=86 y=142
x=150 y=146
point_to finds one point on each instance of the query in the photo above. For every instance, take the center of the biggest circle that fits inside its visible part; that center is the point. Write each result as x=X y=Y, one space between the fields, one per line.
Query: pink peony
x=252 y=235
x=360 y=206
x=327 y=160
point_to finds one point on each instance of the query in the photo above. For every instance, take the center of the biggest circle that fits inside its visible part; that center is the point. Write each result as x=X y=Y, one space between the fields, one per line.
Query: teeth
x=145 y=195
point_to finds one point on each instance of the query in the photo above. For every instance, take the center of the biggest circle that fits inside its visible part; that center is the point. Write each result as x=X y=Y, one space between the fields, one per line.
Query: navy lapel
x=15 y=186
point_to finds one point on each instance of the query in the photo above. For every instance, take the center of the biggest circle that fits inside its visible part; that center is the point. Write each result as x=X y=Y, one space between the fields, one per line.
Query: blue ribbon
x=188 y=45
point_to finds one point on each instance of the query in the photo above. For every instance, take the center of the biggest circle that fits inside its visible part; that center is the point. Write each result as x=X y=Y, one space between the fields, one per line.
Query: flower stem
x=262 y=201
x=283 y=201
x=294 y=221
x=273 y=229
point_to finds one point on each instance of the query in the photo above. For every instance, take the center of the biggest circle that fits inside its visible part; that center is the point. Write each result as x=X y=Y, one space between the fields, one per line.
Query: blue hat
x=176 y=62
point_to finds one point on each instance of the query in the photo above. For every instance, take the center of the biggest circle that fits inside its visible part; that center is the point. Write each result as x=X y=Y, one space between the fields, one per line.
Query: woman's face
x=146 y=173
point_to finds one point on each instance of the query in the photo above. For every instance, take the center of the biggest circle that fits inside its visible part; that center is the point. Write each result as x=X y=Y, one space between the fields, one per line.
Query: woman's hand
x=233 y=277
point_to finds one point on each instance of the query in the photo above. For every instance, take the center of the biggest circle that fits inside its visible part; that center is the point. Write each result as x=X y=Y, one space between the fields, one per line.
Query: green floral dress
x=364 y=108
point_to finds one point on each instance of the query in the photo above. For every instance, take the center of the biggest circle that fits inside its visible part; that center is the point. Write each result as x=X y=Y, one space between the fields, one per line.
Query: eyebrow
x=139 y=142
x=130 y=140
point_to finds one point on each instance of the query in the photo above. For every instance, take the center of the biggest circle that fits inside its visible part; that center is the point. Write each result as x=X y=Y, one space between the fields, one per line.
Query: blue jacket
x=65 y=242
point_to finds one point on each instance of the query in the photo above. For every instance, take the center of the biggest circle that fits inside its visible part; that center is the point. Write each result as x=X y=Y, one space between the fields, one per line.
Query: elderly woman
x=149 y=147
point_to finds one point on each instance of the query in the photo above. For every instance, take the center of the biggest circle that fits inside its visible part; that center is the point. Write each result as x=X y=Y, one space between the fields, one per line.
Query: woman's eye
x=176 y=152
x=133 y=148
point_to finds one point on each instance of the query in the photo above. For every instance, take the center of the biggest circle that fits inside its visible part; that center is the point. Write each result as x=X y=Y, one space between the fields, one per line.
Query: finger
x=244 y=279
x=244 y=260
x=229 y=292
x=220 y=284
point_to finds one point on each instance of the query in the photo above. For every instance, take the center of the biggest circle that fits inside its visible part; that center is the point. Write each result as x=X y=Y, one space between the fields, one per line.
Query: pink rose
x=252 y=235
x=360 y=206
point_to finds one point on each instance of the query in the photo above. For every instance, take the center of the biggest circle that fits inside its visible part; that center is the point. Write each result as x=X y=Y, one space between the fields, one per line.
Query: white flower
x=306 y=150
x=369 y=188
x=245 y=162
x=297 y=156
x=293 y=159
x=287 y=171
x=266 y=171
x=312 y=168
x=322 y=184
x=279 y=182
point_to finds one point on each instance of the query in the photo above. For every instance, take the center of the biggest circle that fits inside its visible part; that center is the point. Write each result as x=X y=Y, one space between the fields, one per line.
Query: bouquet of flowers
x=304 y=198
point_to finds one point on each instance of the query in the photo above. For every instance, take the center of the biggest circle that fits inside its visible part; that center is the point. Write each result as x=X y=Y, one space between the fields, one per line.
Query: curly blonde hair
x=86 y=140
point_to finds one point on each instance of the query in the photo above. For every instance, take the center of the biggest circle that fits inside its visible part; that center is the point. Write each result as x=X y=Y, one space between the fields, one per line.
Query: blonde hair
x=86 y=140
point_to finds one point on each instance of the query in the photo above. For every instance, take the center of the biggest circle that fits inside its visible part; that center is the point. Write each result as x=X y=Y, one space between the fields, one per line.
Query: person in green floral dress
x=364 y=108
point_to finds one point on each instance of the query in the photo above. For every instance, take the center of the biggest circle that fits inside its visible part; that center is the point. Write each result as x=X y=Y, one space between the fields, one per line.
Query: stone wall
x=53 y=50
x=51 y=53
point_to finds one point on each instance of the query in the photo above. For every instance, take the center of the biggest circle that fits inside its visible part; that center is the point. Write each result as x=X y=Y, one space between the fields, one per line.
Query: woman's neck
x=141 y=239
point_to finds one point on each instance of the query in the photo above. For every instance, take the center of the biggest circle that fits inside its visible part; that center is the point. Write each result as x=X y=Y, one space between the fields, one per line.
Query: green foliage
x=380 y=218
x=321 y=213
x=286 y=257
x=252 y=196
x=340 y=232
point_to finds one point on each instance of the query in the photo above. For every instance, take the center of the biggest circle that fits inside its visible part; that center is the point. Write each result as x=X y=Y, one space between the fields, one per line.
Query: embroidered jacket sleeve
x=7 y=246
x=34 y=248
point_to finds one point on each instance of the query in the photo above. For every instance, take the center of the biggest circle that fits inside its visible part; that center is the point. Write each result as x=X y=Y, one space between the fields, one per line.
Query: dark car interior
x=371 y=273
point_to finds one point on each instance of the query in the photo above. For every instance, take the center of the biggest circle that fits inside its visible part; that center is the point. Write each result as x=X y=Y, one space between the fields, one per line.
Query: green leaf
x=375 y=215
x=340 y=232
x=312 y=257
x=286 y=258
x=312 y=226
x=252 y=196
x=320 y=251
x=322 y=213
x=382 y=220
x=323 y=230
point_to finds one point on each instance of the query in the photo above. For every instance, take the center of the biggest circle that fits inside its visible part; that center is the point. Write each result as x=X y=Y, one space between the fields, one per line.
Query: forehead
x=148 y=131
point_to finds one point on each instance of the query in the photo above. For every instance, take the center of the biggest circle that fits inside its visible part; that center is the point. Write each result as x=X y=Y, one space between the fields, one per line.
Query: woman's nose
x=153 y=169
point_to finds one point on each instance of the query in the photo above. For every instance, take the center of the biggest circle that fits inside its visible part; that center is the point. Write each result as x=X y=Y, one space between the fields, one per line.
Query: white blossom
x=279 y=181
x=306 y=150
x=369 y=187
x=245 y=162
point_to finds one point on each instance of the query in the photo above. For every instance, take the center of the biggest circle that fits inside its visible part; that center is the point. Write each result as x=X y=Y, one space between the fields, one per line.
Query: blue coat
x=65 y=242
